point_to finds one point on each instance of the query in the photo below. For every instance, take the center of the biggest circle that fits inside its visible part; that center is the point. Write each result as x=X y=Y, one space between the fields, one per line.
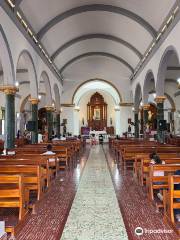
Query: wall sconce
x=61 y=110
x=39 y=97
x=178 y=82
x=77 y=108
x=154 y=95
x=133 y=109
x=17 y=115
x=17 y=84
x=117 y=108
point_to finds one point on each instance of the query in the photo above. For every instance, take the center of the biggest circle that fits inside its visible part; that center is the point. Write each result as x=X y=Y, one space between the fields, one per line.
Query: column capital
x=49 y=108
x=9 y=89
x=34 y=101
x=160 y=99
x=146 y=106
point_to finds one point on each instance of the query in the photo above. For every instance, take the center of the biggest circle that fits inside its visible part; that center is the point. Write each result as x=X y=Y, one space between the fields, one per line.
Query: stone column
x=9 y=115
x=49 y=116
x=34 y=118
x=58 y=125
x=172 y=122
x=117 y=120
x=136 y=124
x=76 y=121
x=160 y=115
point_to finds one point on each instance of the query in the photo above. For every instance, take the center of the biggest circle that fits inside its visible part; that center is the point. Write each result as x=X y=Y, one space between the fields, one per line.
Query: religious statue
x=150 y=116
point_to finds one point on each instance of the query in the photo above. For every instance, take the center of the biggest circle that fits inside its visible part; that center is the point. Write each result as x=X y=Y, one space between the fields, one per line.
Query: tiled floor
x=53 y=210
x=95 y=214
x=136 y=209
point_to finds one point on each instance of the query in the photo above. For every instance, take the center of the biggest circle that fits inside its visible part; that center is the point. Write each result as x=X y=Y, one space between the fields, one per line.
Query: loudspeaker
x=30 y=126
x=65 y=121
x=162 y=125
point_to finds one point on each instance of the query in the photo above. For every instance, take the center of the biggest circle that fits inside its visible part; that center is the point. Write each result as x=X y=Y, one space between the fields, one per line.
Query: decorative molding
x=9 y=90
x=42 y=93
x=50 y=108
x=17 y=71
x=124 y=104
x=34 y=101
x=67 y=105
x=160 y=99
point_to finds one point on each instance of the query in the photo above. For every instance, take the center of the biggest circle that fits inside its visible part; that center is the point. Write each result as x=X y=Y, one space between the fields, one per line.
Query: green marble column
x=49 y=116
x=34 y=117
x=145 y=117
x=136 y=127
x=9 y=115
x=160 y=116
x=58 y=125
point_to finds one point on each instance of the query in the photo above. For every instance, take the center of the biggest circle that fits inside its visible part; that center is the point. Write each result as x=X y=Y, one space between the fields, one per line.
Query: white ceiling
x=125 y=26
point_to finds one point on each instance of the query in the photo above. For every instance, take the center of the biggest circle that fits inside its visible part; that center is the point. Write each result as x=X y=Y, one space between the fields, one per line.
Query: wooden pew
x=139 y=157
x=32 y=159
x=144 y=167
x=152 y=180
x=172 y=202
x=130 y=153
x=12 y=195
x=33 y=177
x=171 y=196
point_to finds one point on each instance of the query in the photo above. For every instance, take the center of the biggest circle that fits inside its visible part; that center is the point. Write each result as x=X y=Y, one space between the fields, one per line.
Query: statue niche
x=97 y=112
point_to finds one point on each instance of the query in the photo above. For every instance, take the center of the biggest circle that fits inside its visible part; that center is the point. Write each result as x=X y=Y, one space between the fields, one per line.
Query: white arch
x=170 y=50
x=146 y=86
x=6 y=60
x=29 y=64
x=96 y=85
x=45 y=79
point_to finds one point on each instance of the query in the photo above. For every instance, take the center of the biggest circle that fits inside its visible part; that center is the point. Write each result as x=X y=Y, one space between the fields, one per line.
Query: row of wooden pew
x=135 y=154
x=25 y=171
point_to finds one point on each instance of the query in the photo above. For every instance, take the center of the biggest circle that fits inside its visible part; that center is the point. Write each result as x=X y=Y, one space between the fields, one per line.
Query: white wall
x=17 y=43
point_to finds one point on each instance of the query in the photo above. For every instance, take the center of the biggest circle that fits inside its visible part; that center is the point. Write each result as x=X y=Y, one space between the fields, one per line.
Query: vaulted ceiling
x=76 y=31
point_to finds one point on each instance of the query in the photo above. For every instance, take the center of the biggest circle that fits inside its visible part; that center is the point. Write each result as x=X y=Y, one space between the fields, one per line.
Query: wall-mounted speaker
x=162 y=125
x=30 y=126
x=65 y=121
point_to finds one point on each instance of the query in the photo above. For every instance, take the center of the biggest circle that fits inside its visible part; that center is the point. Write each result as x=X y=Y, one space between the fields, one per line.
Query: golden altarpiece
x=97 y=112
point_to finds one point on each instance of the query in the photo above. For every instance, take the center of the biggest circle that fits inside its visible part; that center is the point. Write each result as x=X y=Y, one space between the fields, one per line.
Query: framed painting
x=97 y=113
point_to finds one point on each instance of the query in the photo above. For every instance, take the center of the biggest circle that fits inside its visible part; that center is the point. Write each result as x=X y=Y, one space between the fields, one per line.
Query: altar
x=97 y=133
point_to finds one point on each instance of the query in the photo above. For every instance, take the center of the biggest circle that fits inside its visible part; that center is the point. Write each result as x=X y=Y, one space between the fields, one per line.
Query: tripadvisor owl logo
x=139 y=231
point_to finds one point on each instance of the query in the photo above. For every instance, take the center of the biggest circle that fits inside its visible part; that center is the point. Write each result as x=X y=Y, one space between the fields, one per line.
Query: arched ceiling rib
x=96 y=7
x=75 y=29
x=92 y=36
x=88 y=54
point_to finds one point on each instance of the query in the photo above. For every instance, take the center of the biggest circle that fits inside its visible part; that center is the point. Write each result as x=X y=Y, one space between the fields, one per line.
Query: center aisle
x=95 y=213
